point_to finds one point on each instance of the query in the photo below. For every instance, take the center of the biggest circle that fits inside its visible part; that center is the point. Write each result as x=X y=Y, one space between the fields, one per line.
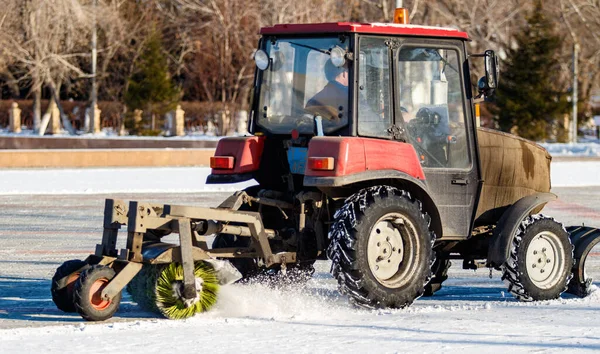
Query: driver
x=330 y=101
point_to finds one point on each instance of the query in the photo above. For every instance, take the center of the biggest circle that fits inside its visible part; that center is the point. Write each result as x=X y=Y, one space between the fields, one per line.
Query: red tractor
x=366 y=149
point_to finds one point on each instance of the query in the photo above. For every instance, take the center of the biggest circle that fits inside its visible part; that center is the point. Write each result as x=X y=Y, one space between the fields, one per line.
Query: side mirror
x=487 y=84
x=491 y=69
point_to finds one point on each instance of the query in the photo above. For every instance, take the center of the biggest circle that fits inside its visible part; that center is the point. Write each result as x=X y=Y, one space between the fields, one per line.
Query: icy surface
x=472 y=313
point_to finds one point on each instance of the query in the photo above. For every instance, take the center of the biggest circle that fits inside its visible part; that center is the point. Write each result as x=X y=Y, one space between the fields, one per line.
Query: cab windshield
x=301 y=83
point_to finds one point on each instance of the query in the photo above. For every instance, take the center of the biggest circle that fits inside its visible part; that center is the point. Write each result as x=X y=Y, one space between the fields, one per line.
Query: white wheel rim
x=545 y=260
x=386 y=250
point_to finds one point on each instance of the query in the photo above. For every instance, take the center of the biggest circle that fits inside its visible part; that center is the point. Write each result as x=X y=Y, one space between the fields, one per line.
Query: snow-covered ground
x=110 y=180
x=588 y=146
x=191 y=179
x=50 y=216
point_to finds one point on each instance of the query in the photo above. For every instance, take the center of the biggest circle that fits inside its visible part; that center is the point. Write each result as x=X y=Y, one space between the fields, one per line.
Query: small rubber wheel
x=63 y=282
x=87 y=294
x=539 y=266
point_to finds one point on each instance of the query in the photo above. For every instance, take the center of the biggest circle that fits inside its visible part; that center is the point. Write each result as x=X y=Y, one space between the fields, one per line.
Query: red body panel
x=354 y=155
x=373 y=28
x=246 y=152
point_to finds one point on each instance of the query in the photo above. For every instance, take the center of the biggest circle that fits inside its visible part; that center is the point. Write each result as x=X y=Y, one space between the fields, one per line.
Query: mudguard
x=584 y=238
x=506 y=228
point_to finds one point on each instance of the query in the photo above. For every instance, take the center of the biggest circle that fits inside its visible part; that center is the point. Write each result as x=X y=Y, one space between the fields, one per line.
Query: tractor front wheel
x=540 y=262
x=381 y=248
x=87 y=294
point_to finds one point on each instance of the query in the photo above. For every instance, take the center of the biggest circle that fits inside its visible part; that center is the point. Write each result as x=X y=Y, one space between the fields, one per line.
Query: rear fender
x=506 y=228
x=584 y=238
x=246 y=153
x=342 y=187
x=354 y=155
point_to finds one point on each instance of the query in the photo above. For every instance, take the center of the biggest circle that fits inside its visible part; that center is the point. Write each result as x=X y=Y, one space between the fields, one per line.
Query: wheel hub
x=385 y=250
x=95 y=295
x=543 y=260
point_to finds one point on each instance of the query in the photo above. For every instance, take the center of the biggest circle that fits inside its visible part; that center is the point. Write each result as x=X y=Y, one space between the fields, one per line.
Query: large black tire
x=540 y=262
x=358 y=255
x=63 y=282
x=86 y=295
x=440 y=274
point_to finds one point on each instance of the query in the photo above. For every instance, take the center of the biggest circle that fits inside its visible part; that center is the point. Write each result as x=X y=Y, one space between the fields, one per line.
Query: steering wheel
x=420 y=130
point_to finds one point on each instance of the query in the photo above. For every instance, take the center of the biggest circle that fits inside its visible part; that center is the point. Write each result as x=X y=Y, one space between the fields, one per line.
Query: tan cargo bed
x=511 y=168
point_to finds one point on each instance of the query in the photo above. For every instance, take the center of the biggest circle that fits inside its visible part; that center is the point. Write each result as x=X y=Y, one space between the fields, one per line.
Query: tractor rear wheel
x=87 y=294
x=381 y=248
x=539 y=266
x=440 y=274
x=63 y=283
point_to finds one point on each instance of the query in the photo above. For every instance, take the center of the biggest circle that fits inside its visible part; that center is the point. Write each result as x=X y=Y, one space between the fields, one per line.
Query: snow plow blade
x=583 y=238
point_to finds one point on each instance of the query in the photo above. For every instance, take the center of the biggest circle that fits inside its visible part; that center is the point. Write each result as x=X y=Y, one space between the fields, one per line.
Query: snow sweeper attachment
x=174 y=280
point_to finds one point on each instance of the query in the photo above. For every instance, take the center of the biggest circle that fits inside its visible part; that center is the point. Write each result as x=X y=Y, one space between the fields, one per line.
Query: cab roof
x=371 y=28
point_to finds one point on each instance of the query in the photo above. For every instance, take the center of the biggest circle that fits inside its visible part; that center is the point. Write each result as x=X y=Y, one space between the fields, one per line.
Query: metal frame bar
x=140 y=217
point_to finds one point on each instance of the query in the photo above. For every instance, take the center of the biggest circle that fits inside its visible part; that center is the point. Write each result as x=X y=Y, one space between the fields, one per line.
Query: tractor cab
x=384 y=81
x=351 y=104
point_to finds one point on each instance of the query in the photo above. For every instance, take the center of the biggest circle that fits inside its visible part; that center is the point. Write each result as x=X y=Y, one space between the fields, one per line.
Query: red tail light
x=222 y=162
x=321 y=163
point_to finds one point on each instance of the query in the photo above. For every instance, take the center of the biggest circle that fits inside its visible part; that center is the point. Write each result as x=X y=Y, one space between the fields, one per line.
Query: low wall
x=69 y=158
x=73 y=142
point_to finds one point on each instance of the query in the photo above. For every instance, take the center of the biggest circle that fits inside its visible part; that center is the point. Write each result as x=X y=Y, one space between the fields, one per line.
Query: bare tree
x=581 y=20
x=46 y=38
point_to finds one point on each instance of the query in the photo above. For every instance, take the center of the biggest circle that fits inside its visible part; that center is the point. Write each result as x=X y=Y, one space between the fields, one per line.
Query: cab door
x=430 y=92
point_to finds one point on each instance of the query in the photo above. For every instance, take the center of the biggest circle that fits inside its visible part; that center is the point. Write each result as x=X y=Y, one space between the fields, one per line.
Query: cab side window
x=374 y=108
x=431 y=102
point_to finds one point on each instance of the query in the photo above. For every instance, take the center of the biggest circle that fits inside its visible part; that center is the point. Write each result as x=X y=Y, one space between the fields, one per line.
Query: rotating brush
x=156 y=288
x=169 y=301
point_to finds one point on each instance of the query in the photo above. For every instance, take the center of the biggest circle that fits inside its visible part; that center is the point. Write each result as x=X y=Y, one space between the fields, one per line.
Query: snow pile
x=111 y=180
x=573 y=149
x=193 y=179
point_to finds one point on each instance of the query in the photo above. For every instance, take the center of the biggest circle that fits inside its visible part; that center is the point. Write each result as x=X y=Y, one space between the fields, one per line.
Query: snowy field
x=564 y=173
x=49 y=216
